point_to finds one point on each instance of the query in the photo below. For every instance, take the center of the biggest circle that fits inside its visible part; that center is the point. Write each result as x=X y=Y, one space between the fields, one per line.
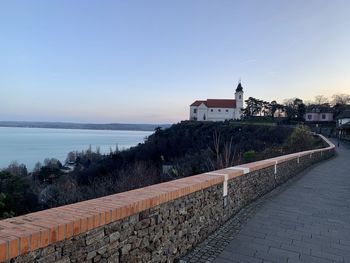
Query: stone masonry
x=159 y=223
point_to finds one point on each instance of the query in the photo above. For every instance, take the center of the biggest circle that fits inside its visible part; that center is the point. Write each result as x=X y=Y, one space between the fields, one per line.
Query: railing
x=151 y=224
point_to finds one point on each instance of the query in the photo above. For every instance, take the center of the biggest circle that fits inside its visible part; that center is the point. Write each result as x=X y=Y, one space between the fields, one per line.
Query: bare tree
x=37 y=167
x=17 y=169
x=224 y=153
x=341 y=99
x=68 y=191
x=308 y=102
x=320 y=99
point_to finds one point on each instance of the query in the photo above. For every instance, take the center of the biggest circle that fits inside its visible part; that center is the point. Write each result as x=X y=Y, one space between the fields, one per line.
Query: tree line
x=294 y=108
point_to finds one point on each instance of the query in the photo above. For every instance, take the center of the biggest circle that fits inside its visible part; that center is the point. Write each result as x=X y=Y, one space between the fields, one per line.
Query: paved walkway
x=306 y=219
x=307 y=222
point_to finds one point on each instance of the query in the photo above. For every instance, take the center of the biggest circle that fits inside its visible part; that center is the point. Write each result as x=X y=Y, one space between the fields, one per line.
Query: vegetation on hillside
x=184 y=149
x=292 y=110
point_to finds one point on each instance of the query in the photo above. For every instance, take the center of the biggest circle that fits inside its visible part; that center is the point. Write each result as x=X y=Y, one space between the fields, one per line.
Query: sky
x=146 y=61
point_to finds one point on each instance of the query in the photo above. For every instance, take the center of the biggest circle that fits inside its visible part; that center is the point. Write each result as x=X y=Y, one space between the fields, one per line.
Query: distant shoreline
x=82 y=126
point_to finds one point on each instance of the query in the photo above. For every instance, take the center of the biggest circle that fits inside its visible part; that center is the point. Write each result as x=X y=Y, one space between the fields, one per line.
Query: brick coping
x=22 y=234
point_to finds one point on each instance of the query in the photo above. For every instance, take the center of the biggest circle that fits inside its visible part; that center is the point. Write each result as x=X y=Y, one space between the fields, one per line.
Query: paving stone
x=327 y=255
x=312 y=259
x=284 y=253
x=304 y=220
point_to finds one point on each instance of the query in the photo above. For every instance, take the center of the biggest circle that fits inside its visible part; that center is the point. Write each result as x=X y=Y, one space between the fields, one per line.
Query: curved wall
x=158 y=223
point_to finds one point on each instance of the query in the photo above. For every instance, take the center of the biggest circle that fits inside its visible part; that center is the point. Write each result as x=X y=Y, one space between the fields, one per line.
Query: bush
x=300 y=140
x=16 y=196
x=249 y=156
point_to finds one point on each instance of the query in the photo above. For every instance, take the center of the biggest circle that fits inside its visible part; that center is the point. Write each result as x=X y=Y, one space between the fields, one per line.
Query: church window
x=240 y=96
x=219 y=110
x=194 y=110
x=226 y=110
x=323 y=116
x=309 y=116
x=211 y=110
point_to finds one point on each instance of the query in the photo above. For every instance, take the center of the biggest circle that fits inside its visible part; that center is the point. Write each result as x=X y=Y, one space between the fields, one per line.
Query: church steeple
x=239 y=87
x=239 y=100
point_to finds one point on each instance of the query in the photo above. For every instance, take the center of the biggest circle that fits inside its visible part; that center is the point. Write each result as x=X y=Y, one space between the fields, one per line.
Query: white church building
x=218 y=109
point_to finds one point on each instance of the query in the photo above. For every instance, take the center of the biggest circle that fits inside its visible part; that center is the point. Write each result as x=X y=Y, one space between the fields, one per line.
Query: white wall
x=317 y=116
x=193 y=115
x=202 y=111
x=238 y=113
x=329 y=117
x=220 y=114
x=239 y=101
x=343 y=121
x=279 y=114
x=239 y=105
x=311 y=116
x=214 y=114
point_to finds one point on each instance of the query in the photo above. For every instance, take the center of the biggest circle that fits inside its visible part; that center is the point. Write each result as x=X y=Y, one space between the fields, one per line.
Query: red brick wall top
x=29 y=232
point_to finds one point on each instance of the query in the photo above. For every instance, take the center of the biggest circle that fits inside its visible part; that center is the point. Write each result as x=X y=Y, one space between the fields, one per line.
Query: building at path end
x=218 y=109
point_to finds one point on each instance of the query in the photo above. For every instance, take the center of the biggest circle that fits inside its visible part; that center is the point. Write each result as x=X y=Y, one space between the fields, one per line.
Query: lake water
x=30 y=145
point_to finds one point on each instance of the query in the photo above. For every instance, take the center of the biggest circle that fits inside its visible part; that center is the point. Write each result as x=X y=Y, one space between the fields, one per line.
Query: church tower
x=239 y=100
x=239 y=96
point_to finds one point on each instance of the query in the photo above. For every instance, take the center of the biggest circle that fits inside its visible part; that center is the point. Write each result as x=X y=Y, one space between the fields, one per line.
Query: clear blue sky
x=146 y=61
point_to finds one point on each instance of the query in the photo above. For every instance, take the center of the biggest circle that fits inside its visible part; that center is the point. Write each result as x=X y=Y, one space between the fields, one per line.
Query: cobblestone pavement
x=306 y=219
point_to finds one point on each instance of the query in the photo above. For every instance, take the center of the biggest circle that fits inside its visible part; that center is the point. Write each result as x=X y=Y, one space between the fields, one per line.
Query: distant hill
x=88 y=126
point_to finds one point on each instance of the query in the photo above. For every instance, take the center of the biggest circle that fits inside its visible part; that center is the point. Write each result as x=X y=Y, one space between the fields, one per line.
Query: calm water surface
x=30 y=145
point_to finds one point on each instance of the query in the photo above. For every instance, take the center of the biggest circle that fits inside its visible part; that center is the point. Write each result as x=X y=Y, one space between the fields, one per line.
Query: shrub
x=249 y=156
x=301 y=139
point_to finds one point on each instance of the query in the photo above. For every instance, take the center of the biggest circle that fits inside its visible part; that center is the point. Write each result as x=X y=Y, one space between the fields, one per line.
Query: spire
x=239 y=87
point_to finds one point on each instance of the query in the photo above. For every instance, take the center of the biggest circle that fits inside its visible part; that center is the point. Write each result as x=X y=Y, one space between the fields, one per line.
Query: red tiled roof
x=221 y=103
x=198 y=102
x=216 y=103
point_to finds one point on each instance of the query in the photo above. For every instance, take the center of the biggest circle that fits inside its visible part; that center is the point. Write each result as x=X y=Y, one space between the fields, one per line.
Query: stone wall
x=158 y=223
